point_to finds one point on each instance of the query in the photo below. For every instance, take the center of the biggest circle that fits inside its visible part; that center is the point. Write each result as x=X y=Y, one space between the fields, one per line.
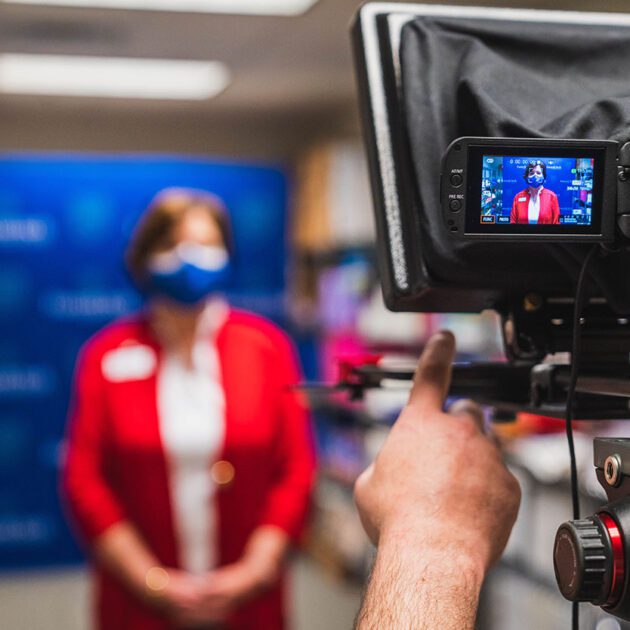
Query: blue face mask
x=189 y=273
x=535 y=180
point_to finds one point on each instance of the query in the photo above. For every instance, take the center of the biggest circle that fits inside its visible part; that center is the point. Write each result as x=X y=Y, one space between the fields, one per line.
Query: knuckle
x=360 y=487
x=469 y=402
x=467 y=427
x=513 y=490
x=466 y=405
x=516 y=488
x=464 y=442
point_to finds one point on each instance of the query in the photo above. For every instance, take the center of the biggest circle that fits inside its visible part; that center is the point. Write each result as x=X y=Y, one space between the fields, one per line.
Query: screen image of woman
x=190 y=458
x=535 y=205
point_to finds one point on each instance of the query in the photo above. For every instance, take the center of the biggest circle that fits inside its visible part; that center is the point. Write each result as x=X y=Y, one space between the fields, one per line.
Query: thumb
x=433 y=374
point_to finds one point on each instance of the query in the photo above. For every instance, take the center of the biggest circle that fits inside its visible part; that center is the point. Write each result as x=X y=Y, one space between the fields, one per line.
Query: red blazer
x=549 y=207
x=116 y=466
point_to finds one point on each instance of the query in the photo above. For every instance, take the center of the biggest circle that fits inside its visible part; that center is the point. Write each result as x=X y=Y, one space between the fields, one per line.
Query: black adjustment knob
x=582 y=559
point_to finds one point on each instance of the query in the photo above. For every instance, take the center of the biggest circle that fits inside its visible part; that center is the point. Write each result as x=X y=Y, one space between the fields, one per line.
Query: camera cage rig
x=591 y=555
x=534 y=325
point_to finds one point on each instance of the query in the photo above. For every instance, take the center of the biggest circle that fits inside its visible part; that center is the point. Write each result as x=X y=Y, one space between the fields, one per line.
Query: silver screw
x=612 y=470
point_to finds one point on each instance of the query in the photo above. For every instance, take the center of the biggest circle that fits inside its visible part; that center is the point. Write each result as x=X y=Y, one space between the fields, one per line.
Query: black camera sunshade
x=429 y=75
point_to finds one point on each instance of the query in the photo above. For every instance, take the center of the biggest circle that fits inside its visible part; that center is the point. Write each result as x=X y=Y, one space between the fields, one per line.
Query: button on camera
x=455 y=205
x=456 y=179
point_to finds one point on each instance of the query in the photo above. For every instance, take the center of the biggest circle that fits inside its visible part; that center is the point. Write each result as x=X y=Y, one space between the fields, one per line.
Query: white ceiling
x=293 y=70
x=278 y=63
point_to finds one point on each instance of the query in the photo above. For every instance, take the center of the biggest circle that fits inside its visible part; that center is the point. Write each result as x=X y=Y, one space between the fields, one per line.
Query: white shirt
x=533 y=210
x=191 y=409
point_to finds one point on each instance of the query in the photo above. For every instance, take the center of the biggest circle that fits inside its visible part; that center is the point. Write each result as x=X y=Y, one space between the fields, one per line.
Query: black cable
x=575 y=616
x=575 y=361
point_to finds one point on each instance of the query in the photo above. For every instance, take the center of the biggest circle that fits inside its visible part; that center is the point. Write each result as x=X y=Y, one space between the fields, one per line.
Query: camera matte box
x=429 y=74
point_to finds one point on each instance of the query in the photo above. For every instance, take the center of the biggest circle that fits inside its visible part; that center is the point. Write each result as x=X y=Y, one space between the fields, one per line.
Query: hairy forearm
x=121 y=550
x=420 y=588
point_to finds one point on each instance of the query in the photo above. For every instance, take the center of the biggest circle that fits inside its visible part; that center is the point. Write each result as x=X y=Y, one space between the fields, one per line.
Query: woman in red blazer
x=190 y=461
x=536 y=204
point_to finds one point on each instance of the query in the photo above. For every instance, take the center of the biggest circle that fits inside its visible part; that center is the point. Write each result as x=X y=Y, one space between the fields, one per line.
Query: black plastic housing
x=460 y=186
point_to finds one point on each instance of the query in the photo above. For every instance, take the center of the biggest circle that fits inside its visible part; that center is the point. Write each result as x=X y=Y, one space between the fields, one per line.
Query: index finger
x=433 y=374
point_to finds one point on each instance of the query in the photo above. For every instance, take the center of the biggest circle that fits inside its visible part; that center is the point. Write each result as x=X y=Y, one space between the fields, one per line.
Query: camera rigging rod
x=510 y=388
x=529 y=382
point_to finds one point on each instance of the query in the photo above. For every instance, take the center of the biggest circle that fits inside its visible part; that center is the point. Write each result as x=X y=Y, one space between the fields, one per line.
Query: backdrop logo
x=87 y=305
x=25 y=380
x=25 y=530
x=24 y=231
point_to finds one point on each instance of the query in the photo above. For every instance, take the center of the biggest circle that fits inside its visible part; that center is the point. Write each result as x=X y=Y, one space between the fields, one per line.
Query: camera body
x=486 y=196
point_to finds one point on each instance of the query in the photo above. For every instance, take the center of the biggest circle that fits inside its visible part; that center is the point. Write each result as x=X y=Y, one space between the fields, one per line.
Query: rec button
x=456 y=179
x=455 y=205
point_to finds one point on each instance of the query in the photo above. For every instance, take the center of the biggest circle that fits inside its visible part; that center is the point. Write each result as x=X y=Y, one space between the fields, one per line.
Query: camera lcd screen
x=536 y=191
x=549 y=193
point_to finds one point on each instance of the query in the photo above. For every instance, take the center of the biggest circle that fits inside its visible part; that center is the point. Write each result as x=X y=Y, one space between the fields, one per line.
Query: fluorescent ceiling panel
x=111 y=77
x=242 y=7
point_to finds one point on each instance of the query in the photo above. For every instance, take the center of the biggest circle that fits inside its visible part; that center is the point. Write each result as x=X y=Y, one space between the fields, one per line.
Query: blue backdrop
x=64 y=222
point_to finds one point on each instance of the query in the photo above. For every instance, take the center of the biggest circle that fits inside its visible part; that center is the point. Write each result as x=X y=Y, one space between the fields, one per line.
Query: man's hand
x=439 y=502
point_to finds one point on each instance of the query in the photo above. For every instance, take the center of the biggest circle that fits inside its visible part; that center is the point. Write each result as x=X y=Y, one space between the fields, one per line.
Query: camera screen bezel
x=536 y=149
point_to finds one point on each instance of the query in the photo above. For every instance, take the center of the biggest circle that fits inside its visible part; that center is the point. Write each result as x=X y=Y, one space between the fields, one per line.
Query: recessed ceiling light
x=112 y=77
x=243 y=7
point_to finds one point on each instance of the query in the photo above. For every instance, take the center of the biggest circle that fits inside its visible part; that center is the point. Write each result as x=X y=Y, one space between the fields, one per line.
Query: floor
x=60 y=600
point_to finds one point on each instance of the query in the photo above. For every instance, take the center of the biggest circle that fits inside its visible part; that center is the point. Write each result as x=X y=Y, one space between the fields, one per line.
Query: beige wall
x=32 y=124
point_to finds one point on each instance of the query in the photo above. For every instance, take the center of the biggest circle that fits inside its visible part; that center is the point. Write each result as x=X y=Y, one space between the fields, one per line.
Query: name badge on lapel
x=129 y=363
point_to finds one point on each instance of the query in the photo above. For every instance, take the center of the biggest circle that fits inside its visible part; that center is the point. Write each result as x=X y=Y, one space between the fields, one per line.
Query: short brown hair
x=531 y=165
x=158 y=221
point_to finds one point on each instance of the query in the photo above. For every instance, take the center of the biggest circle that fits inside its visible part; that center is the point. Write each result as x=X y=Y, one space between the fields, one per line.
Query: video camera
x=497 y=145
x=444 y=196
